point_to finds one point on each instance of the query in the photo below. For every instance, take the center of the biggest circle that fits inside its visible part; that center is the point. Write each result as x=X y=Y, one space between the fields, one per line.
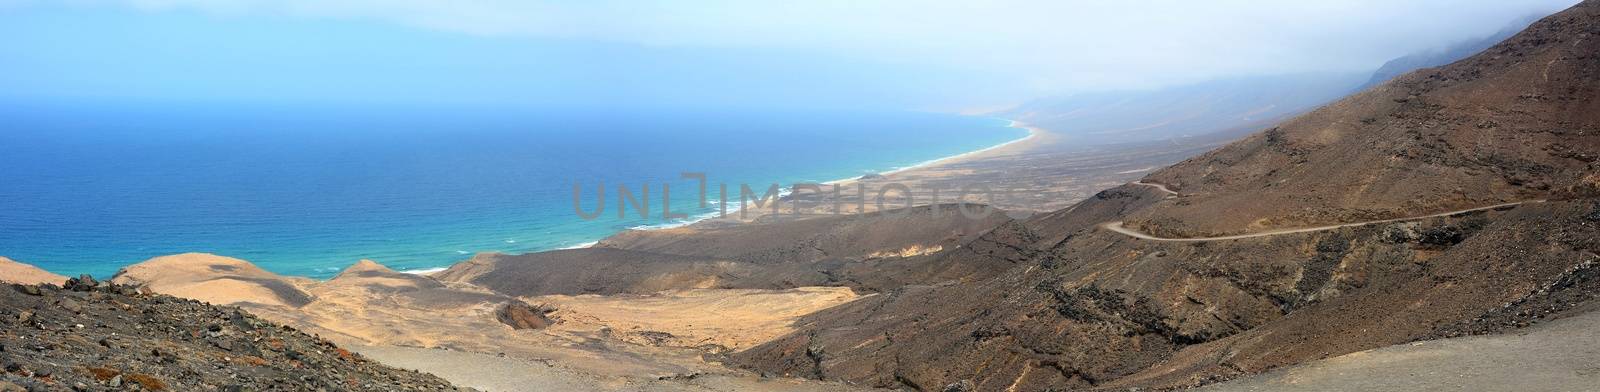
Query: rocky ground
x=477 y=338
x=1084 y=308
x=866 y=252
x=101 y=337
x=1555 y=356
x=1516 y=122
x=1049 y=301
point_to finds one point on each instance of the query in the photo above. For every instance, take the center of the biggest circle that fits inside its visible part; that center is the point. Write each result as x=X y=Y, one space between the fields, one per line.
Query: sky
x=938 y=55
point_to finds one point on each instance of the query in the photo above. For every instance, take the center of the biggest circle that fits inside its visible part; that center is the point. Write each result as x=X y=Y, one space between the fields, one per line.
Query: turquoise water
x=307 y=190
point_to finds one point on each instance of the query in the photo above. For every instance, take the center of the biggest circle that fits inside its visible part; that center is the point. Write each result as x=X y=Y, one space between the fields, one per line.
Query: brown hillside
x=95 y=336
x=827 y=237
x=1519 y=121
x=1093 y=309
x=867 y=252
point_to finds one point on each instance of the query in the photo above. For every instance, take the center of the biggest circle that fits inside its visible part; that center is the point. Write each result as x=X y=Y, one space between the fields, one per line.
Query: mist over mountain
x=1231 y=106
x=1445 y=55
x=1241 y=104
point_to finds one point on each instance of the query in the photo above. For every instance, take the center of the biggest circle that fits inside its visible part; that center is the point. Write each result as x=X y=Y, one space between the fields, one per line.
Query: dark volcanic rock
x=96 y=338
x=81 y=283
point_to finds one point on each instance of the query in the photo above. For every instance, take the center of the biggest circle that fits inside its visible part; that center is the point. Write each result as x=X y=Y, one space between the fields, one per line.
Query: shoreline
x=1033 y=132
x=1034 y=135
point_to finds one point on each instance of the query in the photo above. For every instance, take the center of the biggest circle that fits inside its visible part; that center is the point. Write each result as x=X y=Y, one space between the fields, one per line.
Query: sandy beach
x=1044 y=171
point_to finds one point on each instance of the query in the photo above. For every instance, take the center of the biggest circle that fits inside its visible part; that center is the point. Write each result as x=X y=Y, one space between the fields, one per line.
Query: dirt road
x=1118 y=228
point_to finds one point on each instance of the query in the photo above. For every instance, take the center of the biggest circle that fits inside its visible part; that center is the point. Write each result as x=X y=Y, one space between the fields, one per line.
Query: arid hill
x=1459 y=200
x=102 y=337
x=215 y=279
x=868 y=252
x=478 y=338
x=18 y=273
x=914 y=230
x=1519 y=121
x=1094 y=309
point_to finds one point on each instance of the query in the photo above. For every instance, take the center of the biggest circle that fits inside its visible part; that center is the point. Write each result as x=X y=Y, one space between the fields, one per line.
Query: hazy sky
x=943 y=55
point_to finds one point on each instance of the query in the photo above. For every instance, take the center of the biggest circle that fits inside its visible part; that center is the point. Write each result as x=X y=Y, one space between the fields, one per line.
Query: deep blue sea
x=307 y=190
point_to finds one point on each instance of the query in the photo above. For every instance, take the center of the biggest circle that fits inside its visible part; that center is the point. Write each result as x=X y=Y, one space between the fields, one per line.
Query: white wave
x=423 y=271
x=784 y=192
x=672 y=225
x=693 y=219
x=1032 y=132
x=582 y=245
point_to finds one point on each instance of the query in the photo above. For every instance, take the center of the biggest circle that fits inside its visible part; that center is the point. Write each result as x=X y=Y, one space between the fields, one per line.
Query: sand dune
x=12 y=271
x=215 y=279
x=596 y=342
x=728 y=319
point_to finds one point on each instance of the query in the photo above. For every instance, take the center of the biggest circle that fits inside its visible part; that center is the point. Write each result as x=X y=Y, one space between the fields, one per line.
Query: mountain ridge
x=1093 y=309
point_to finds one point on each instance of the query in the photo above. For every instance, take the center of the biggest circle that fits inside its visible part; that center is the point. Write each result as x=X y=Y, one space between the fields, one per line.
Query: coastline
x=1035 y=136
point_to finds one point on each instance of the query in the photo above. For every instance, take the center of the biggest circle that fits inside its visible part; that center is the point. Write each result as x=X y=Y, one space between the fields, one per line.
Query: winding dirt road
x=1158 y=187
x=1118 y=228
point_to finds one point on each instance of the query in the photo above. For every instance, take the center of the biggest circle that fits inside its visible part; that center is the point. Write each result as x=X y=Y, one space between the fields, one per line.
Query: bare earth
x=19 y=273
x=496 y=373
x=1120 y=229
x=730 y=318
x=1563 y=355
x=659 y=341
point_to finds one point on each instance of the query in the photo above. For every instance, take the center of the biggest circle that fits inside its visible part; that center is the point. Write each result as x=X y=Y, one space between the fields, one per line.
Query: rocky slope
x=1056 y=301
x=654 y=341
x=102 y=337
x=867 y=252
x=1518 y=121
x=1560 y=355
x=826 y=237
x=1092 y=309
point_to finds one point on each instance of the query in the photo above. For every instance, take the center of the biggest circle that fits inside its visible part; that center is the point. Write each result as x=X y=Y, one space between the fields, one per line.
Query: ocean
x=307 y=190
